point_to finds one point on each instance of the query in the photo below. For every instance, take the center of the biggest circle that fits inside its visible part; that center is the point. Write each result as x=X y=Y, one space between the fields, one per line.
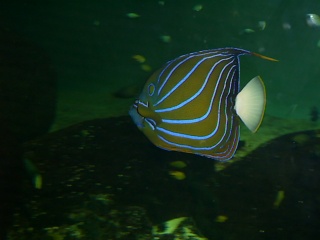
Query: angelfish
x=193 y=103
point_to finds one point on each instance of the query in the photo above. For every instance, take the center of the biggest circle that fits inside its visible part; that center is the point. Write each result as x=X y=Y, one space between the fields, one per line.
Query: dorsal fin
x=264 y=57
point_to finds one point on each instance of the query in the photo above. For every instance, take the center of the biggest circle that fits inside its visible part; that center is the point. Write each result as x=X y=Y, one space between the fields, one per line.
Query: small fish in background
x=193 y=103
x=221 y=218
x=34 y=173
x=139 y=58
x=314 y=114
x=165 y=38
x=132 y=15
x=246 y=31
x=262 y=25
x=146 y=67
x=313 y=20
x=286 y=26
x=279 y=198
x=178 y=175
x=198 y=7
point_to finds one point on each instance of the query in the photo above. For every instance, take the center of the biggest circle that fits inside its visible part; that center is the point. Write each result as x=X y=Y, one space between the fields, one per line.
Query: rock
x=102 y=179
x=109 y=160
x=248 y=191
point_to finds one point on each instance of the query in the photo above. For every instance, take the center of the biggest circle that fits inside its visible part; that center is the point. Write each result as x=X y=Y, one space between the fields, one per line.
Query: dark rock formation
x=102 y=179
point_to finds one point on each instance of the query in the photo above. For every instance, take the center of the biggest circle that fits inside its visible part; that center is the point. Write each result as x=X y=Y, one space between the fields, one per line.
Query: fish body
x=193 y=104
x=313 y=20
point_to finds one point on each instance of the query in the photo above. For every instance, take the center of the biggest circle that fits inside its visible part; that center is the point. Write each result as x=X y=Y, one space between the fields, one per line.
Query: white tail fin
x=251 y=102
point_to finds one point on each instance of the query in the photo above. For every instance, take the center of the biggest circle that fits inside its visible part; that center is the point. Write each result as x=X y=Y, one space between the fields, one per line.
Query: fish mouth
x=134 y=114
x=135 y=104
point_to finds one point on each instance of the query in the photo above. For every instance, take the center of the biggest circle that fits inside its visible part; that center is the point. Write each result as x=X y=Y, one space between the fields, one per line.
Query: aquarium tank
x=153 y=120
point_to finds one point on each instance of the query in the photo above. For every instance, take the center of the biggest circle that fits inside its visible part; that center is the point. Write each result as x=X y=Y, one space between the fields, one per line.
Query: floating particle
x=146 y=67
x=286 y=26
x=178 y=164
x=165 y=38
x=139 y=58
x=133 y=15
x=177 y=175
x=262 y=25
x=313 y=20
x=318 y=44
x=221 y=218
x=161 y=3
x=197 y=8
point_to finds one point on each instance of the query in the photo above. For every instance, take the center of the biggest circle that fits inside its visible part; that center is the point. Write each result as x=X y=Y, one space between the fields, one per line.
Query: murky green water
x=104 y=51
x=92 y=43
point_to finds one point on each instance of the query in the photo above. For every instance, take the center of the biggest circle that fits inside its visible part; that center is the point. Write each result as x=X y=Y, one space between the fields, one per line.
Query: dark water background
x=91 y=42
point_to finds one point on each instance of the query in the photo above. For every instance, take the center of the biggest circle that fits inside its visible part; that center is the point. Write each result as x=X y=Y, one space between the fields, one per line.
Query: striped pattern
x=188 y=105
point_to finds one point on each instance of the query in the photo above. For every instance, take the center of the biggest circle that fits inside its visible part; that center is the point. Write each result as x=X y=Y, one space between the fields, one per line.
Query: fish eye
x=151 y=89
